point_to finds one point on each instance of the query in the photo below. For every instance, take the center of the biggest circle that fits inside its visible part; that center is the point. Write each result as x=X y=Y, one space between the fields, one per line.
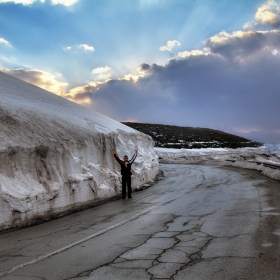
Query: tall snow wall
x=55 y=155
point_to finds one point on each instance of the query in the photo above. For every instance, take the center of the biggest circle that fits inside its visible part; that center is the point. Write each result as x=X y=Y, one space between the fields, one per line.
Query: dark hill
x=170 y=136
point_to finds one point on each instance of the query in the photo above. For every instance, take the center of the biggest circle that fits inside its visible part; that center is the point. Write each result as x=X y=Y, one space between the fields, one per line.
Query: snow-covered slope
x=55 y=155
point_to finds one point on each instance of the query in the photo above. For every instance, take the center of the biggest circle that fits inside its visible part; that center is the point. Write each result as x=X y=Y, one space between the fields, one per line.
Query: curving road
x=198 y=222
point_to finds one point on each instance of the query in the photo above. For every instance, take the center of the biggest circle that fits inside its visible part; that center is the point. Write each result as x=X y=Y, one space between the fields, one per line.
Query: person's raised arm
x=116 y=156
x=134 y=156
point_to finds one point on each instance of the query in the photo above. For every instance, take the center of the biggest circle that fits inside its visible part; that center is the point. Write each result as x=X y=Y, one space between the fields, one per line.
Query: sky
x=198 y=63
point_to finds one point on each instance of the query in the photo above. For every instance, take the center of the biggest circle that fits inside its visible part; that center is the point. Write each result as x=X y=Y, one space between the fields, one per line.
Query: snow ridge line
x=43 y=257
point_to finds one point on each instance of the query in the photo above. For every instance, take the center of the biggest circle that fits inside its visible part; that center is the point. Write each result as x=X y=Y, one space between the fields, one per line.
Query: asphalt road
x=199 y=222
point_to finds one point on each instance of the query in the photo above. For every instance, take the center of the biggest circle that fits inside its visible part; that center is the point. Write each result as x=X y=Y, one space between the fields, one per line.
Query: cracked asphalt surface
x=198 y=222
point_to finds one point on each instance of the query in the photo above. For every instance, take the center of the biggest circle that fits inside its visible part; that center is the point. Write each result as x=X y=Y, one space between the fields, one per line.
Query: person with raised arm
x=125 y=172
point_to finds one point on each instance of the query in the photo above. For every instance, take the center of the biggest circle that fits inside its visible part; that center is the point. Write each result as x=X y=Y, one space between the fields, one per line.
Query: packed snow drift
x=265 y=159
x=55 y=155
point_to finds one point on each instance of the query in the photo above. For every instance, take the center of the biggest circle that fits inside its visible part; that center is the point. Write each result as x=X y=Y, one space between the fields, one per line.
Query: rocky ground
x=170 y=136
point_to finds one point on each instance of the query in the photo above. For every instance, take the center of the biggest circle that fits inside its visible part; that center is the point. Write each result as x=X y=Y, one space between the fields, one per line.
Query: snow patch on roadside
x=251 y=158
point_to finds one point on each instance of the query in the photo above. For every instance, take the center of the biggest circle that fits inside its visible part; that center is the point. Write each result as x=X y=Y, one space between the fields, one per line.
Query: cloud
x=186 y=54
x=64 y=2
x=267 y=15
x=42 y=79
x=102 y=72
x=53 y=2
x=81 y=94
x=84 y=47
x=141 y=71
x=144 y=67
x=23 y=2
x=131 y=77
x=5 y=42
x=3 y=58
x=242 y=44
x=171 y=44
x=231 y=85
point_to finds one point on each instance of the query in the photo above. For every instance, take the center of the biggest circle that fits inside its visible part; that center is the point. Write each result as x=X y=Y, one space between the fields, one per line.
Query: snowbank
x=55 y=155
x=252 y=158
x=273 y=147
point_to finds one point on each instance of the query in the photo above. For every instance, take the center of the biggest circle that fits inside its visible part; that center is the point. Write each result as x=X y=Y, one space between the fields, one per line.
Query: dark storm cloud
x=144 y=66
x=242 y=43
x=234 y=88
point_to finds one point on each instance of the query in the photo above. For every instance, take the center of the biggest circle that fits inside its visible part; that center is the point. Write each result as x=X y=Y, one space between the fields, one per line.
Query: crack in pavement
x=161 y=255
x=167 y=252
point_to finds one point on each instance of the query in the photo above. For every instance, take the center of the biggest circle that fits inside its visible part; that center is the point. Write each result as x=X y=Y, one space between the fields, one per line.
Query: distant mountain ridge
x=171 y=136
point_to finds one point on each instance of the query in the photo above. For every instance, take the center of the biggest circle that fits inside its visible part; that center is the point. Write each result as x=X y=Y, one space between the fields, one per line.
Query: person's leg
x=123 y=187
x=129 y=186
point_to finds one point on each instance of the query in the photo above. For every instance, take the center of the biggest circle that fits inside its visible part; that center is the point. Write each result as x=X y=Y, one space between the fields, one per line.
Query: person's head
x=125 y=158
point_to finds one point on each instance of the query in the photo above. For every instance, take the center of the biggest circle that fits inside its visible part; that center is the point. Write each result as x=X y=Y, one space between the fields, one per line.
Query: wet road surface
x=198 y=222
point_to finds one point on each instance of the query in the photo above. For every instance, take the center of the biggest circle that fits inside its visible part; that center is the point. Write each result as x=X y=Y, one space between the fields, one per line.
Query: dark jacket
x=125 y=166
